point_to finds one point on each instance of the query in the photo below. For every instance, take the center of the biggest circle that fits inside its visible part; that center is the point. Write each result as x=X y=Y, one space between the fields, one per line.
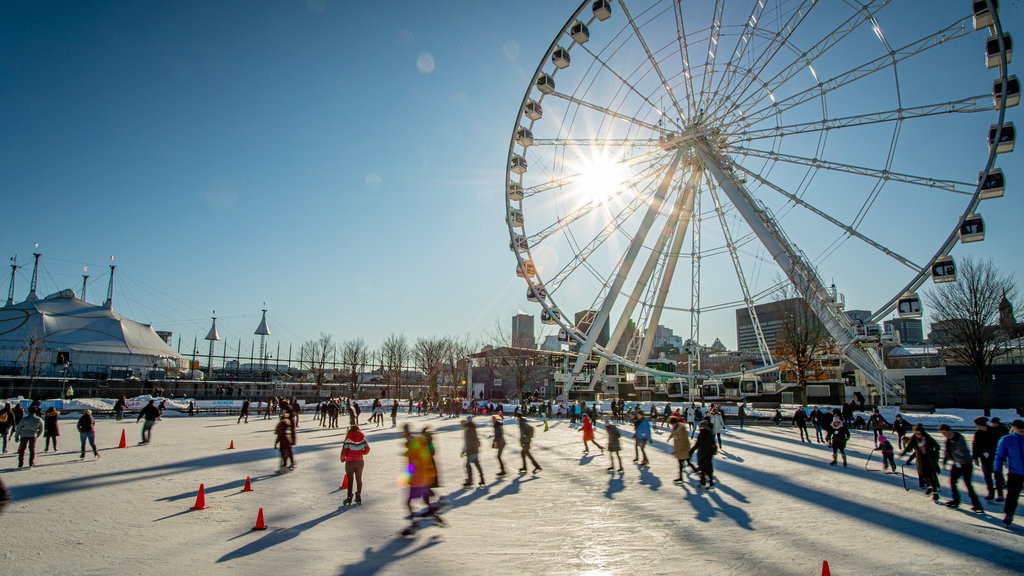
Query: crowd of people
x=694 y=431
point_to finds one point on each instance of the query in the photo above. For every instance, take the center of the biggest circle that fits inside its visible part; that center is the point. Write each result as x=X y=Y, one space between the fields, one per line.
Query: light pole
x=743 y=390
x=64 y=380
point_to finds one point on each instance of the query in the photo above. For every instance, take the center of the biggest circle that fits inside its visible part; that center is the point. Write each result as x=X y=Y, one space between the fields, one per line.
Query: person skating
x=119 y=407
x=1010 y=451
x=525 y=442
x=680 y=438
x=840 y=435
x=51 y=428
x=471 y=450
x=28 y=429
x=6 y=424
x=817 y=420
x=87 y=432
x=422 y=475
x=151 y=414
x=960 y=456
x=983 y=450
x=284 y=438
x=717 y=423
x=888 y=458
x=705 y=448
x=353 y=449
x=614 y=444
x=877 y=424
x=926 y=452
x=244 y=413
x=642 y=436
x=900 y=427
x=741 y=414
x=499 y=441
x=587 y=428
x=800 y=421
x=998 y=430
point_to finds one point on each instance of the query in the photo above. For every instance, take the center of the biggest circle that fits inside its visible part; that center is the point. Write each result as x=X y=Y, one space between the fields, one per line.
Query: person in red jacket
x=588 y=435
x=352 y=451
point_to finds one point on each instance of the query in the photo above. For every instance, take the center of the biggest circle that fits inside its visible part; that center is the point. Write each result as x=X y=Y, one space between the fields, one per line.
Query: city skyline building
x=911 y=330
x=522 y=331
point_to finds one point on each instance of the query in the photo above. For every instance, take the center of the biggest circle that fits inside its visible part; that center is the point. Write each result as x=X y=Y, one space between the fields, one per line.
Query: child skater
x=888 y=460
x=588 y=434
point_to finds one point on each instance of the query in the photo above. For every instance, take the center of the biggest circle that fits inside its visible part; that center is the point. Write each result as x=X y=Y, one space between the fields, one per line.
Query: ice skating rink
x=778 y=508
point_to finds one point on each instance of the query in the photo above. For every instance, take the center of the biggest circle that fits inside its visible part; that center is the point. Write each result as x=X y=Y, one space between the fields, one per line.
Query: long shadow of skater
x=735 y=512
x=703 y=508
x=278 y=536
x=394 y=550
x=615 y=484
x=510 y=488
x=465 y=496
x=648 y=479
x=585 y=459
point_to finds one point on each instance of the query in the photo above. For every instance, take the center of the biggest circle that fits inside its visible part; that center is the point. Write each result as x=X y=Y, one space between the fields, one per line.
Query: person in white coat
x=717 y=423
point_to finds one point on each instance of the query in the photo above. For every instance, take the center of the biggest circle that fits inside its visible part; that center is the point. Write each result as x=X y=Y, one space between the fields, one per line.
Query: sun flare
x=602 y=177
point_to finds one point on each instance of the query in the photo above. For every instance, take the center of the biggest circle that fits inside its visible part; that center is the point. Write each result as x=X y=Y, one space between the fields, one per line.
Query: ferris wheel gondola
x=759 y=142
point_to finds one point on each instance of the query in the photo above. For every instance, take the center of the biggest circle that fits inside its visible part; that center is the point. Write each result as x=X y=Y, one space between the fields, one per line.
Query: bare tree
x=516 y=355
x=33 y=352
x=800 y=343
x=314 y=354
x=429 y=355
x=355 y=354
x=455 y=365
x=395 y=355
x=965 y=317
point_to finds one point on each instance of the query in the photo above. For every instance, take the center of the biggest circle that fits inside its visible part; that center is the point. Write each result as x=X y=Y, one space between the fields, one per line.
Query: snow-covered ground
x=779 y=508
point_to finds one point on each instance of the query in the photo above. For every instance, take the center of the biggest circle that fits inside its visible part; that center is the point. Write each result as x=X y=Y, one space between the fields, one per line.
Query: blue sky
x=341 y=163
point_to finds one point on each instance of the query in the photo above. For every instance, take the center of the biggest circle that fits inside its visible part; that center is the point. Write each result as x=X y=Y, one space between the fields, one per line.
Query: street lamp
x=743 y=390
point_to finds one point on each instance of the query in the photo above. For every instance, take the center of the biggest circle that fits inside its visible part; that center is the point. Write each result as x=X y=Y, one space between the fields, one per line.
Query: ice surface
x=779 y=508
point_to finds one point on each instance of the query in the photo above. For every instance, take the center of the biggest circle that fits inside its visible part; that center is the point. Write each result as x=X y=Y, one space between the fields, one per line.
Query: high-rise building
x=911 y=329
x=770 y=316
x=522 y=332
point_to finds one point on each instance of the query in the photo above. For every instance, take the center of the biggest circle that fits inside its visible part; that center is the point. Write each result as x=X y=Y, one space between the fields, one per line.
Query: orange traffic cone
x=124 y=440
x=232 y=445
x=344 y=482
x=259 y=521
x=824 y=568
x=200 y=499
x=248 y=485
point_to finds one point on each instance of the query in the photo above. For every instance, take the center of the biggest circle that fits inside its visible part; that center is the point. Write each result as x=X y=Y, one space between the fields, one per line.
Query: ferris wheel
x=677 y=163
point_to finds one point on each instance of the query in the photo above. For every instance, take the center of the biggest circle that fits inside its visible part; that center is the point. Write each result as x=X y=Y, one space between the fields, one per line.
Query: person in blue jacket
x=642 y=436
x=1011 y=451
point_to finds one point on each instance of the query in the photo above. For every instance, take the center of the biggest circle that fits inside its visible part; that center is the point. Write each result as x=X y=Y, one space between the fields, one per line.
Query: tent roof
x=63 y=322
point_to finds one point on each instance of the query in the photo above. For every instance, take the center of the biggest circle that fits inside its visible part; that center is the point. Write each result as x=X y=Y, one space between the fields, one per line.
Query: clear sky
x=340 y=163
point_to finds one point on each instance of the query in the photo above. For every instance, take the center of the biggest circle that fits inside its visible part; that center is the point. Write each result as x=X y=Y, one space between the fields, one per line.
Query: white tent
x=37 y=336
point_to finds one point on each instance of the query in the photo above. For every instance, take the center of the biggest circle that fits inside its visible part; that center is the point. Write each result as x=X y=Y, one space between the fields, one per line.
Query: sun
x=602 y=176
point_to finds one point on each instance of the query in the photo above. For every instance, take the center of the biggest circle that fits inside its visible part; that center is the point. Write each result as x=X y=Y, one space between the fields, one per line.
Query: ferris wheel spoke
x=969 y=105
x=684 y=55
x=742 y=44
x=952 y=186
x=711 y=57
x=959 y=29
x=653 y=62
x=828 y=41
x=609 y=112
x=767 y=54
x=832 y=220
